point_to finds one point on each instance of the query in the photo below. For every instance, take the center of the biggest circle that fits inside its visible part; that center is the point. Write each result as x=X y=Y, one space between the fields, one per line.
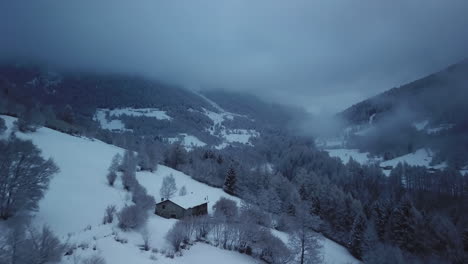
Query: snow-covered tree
x=24 y=176
x=168 y=187
x=175 y=156
x=303 y=240
x=111 y=177
x=132 y=217
x=30 y=121
x=356 y=242
x=115 y=163
x=403 y=225
x=2 y=125
x=23 y=244
x=230 y=181
x=226 y=209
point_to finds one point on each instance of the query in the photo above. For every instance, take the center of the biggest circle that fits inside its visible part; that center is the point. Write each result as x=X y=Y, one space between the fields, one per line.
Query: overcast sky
x=322 y=55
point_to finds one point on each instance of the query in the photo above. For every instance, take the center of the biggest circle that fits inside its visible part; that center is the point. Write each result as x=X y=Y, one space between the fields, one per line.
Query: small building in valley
x=182 y=206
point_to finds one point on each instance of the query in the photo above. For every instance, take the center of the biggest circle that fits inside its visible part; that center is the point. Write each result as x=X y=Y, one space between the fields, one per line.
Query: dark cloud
x=323 y=55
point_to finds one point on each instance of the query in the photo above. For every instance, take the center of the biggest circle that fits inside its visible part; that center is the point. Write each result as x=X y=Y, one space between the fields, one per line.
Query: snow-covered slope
x=75 y=202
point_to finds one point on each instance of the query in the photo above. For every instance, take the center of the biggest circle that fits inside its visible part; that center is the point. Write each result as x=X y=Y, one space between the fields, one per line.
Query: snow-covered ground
x=112 y=122
x=346 y=154
x=74 y=206
x=242 y=136
x=153 y=182
x=188 y=141
x=421 y=157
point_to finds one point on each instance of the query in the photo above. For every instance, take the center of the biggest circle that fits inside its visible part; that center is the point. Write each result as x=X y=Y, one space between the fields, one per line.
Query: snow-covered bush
x=109 y=214
x=111 y=176
x=141 y=197
x=95 y=259
x=226 y=208
x=180 y=233
x=146 y=237
x=129 y=180
x=131 y=217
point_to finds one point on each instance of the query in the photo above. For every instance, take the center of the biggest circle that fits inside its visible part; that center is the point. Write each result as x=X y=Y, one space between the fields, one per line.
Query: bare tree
x=303 y=239
x=24 y=176
x=168 y=187
x=44 y=246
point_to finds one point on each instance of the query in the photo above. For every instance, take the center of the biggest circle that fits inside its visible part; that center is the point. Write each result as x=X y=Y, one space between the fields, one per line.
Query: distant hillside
x=428 y=113
x=115 y=107
x=441 y=97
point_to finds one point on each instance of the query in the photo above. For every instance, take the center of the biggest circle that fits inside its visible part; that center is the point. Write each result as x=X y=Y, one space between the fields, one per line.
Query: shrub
x=111 y=176
x=131 y=217
x=109 y=214
x=94 y=260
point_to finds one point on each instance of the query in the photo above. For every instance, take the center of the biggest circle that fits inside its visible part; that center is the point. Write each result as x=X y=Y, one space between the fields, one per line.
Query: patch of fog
x=441 y=127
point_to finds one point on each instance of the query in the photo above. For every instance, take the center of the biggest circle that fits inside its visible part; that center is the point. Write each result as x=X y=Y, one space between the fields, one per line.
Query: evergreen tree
x=356 y=242
x=402 y=225
x=230 y=181
x=68 y=115
x=2 y=126
x=380 y=215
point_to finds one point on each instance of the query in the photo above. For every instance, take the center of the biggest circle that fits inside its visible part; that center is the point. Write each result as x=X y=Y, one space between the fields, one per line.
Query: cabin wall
x=201 y=209
x=169 y=210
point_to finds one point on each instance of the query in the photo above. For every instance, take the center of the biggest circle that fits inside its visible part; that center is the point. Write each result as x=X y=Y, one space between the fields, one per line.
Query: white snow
x=80 y=183
x=242 y=136
x=189 y=200
x=153 y=182
x=115 y=124
x=188 y=141
x=331 y=252
x=421 y=157
x=346 y=154
x=148 y=112
x=78 y=195
x=239 y=135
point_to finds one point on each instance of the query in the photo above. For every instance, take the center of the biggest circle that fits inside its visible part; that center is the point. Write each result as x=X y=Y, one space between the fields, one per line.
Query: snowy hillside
x=78 y=195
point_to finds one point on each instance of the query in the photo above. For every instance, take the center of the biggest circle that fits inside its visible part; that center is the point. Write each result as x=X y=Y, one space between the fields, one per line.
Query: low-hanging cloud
x=323 y=55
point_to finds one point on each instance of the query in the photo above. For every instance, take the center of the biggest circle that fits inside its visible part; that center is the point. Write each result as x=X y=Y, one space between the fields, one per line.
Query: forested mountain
x=276 y=181
x=427 y=113
x=118 y=108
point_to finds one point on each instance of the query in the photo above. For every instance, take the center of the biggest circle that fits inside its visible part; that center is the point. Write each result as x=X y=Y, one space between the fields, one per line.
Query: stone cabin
x=182 y=206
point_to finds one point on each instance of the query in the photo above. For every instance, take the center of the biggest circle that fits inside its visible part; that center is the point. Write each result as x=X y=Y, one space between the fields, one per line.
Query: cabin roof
x=188 y=201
